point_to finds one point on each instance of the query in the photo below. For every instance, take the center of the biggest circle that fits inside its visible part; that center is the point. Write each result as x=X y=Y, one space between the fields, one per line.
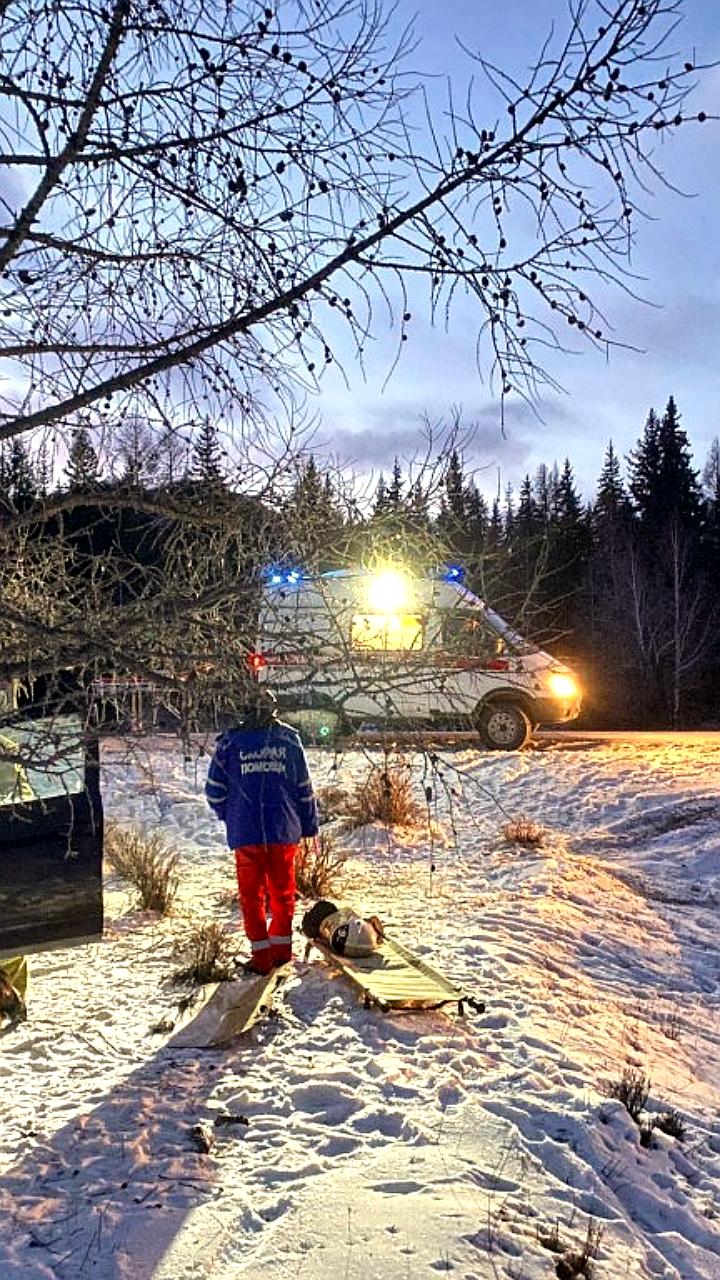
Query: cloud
x=382 y=429
x=683 y=331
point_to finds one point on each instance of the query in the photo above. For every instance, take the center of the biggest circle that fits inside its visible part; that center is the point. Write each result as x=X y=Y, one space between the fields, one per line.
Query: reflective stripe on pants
x=266 y=881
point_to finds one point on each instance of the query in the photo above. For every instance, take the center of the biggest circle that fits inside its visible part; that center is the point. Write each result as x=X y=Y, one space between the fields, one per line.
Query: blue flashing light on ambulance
x=354 y=647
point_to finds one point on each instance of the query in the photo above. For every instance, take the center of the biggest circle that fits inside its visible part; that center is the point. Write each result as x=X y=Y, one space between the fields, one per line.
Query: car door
x=51 y=835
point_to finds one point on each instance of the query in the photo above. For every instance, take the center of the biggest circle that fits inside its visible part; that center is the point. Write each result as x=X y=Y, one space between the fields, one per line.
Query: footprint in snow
x=337 y=1146
x=325 y=1105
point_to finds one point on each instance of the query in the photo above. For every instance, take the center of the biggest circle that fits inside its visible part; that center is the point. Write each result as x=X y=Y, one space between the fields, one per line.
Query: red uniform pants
x=266 y=879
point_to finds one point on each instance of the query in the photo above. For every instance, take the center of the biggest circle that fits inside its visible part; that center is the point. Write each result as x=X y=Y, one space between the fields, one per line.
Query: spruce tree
x=43 y=470
x=314 y=517
x=309 y=489
x=644 y=466
x=545 y=491
x=21 y=478
x=663 y=483
x=454 y=485
x=669 y=595
x=82 y=470
x=395 y=488
x=612 y=505
x=207 y=465
x=495 y=526
x=567 y=504
x=528 y=518
x=381 y=497
x=526 y=545
x=476 y=518
x=418 y=506
x=568 y=550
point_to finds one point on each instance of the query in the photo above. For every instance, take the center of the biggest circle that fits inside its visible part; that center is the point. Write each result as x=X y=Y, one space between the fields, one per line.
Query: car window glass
x=40 y=759
x=393 y=633
x=469 y=637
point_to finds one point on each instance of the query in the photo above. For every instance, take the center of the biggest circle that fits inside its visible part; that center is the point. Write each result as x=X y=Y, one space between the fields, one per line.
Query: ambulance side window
x=398 y=633
x=469 y=637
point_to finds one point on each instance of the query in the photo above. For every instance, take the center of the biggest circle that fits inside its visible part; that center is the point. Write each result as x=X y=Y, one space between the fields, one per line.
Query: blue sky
x=677 y=334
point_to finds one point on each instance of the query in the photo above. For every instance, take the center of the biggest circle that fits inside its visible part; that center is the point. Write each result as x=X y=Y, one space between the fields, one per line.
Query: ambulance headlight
x=563 y=686
x=388 y=591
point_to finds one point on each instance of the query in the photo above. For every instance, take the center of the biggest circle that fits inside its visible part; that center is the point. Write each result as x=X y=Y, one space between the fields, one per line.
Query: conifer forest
x=146 y=564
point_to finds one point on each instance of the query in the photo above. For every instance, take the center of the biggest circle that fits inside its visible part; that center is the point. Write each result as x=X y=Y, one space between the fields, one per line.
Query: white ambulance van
x=384 y=649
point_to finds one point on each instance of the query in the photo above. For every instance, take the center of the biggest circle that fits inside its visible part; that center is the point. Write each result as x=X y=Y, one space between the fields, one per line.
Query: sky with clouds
x=673 y=336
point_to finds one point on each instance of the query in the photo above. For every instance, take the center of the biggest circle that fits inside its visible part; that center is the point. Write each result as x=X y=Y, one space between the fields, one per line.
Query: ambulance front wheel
x=503 y=726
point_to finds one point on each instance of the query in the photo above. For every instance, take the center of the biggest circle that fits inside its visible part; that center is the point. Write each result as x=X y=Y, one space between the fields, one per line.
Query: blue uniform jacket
x=258 y=783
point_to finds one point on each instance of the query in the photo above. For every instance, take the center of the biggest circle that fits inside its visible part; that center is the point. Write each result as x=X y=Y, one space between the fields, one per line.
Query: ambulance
x=385 y=649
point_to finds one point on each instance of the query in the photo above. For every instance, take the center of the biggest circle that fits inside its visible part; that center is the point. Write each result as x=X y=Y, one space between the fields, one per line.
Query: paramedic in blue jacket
x=258 y=784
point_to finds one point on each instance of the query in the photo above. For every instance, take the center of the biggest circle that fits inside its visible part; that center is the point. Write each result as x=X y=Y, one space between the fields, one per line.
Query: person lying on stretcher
x=342 y=929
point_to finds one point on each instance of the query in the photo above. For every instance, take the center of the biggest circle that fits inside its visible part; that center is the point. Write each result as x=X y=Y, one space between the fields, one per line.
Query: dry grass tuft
x=524 y=831
x=672 y=1123
x=147 y=863
x=332 y=801
x=318 y=867
x=207 y=953
x=632 y=1089
x=577 y=1263
x=385 y=796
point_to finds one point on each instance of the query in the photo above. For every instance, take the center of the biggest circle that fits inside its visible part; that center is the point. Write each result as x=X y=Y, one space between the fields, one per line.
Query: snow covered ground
x=398 y=1146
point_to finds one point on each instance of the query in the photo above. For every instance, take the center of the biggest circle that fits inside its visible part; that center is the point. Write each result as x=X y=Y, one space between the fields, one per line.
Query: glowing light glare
x=277 y=576
x=563 y=686
x=388 y=591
